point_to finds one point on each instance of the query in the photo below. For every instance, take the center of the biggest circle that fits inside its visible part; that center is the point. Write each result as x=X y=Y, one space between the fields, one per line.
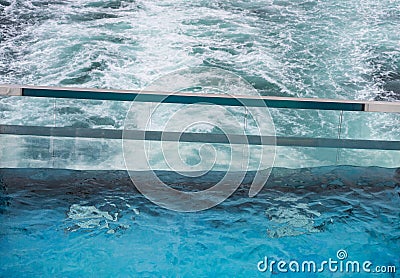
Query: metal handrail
x=204 y=99
x=198 y=137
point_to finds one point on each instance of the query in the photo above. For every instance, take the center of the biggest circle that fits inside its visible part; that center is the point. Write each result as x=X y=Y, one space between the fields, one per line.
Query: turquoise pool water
x=61 y=223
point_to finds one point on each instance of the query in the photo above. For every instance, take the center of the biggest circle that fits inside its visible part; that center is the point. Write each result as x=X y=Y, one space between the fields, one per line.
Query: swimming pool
x=94 y=223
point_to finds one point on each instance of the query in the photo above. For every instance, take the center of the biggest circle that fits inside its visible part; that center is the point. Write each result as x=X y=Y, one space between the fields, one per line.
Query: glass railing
x=83 y=129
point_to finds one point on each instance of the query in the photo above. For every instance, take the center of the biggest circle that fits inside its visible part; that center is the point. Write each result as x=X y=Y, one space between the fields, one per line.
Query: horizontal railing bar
x=72 y=132
x=195 y=98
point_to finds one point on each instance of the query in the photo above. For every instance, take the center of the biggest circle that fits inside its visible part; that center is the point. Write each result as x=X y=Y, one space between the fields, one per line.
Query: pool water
x=64 y=223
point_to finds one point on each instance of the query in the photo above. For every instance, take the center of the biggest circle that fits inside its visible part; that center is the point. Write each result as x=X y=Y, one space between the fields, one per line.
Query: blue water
x=61 y=223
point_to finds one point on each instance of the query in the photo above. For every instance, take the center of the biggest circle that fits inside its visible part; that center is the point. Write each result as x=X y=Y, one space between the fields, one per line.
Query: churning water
x=69 y=223
x=328 y=49
x=335 y=49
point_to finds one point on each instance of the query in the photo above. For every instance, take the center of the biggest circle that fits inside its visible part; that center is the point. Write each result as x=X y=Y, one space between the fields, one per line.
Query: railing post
x=339 y=136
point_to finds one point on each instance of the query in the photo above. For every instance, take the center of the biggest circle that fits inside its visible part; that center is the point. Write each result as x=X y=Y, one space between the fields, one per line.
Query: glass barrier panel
x=301 y=157
x=25 y=151
x=88 y=154
x=306 y=123
x=381 y=158
x=82 y=113
x=370 y=126
x=27 y=111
